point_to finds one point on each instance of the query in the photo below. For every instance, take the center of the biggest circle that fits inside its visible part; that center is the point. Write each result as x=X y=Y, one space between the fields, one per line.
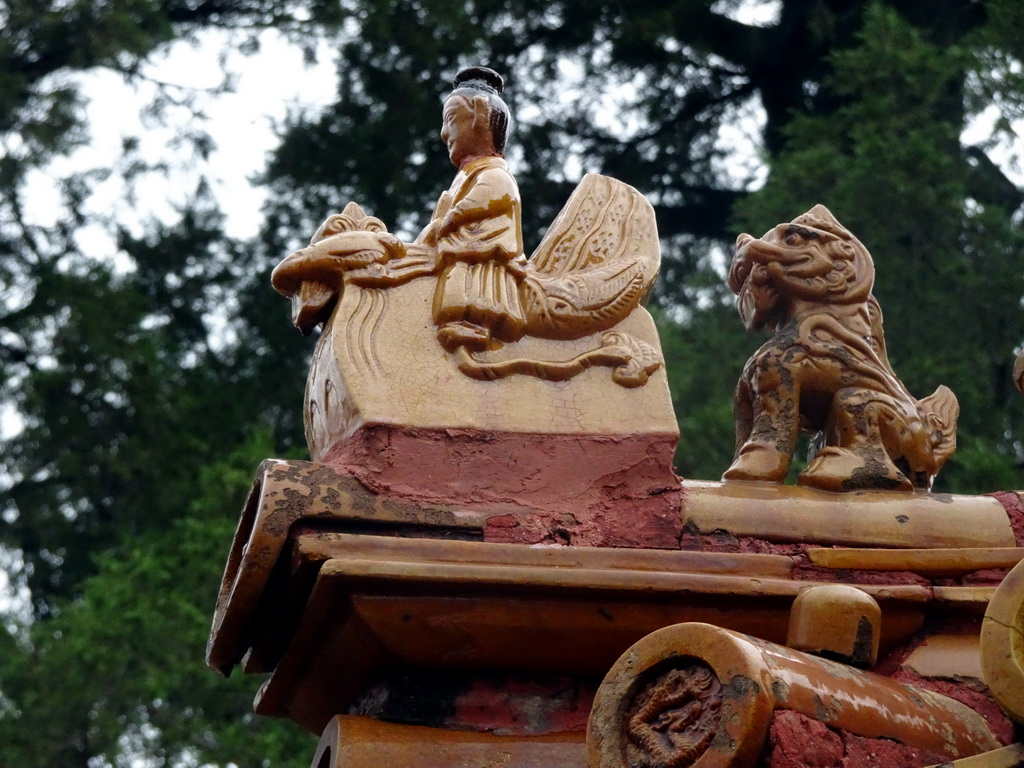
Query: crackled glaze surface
x=825 y=370
x=596 y=263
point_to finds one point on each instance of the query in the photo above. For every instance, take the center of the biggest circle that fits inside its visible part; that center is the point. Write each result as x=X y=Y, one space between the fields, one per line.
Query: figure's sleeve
x=428 y=236
x=483 y=223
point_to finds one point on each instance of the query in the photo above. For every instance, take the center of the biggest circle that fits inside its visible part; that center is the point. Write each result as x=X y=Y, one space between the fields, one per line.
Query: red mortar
x=796 y=741
x=1015 y=511
x=802 y=571
x=588 y=490
x=991 y=577
x=726 y=542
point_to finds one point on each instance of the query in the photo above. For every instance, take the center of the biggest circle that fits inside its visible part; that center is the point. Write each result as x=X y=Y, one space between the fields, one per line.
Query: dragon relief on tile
x=596 y=263
x=673 y=720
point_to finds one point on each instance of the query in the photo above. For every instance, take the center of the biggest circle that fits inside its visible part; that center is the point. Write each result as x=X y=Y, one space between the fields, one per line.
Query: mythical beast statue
x=825 y=369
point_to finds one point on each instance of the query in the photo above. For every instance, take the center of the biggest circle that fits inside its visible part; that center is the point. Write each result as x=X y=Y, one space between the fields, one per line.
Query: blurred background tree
x=150 y=382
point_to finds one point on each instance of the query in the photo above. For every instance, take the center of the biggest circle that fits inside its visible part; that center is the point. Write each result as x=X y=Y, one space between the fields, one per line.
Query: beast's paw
x=759 y=461
x=838 y=469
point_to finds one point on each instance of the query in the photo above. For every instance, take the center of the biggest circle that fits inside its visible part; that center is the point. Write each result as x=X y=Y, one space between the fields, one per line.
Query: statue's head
x=813 y=260
x=476 y=120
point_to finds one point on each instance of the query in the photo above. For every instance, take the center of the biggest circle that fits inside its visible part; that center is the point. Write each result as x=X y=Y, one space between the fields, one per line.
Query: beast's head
x=811 y=260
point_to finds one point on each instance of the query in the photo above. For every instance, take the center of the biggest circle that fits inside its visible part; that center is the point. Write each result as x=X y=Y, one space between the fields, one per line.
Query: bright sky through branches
x=267 y=86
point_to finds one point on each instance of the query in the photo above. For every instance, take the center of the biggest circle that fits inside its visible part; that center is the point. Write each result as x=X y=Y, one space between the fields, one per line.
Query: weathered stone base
x=392 y=589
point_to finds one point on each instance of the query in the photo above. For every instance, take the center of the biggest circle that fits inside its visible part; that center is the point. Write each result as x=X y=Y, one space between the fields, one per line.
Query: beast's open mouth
x=750 y=280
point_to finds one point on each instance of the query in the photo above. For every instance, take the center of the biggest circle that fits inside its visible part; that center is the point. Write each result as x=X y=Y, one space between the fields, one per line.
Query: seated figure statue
x=456 y=347
x=596 y=263
x=476 y=230
x=825 y=369
x=474 y=237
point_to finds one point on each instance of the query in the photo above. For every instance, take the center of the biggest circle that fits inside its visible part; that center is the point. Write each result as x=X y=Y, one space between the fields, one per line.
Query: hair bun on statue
x=479 y=78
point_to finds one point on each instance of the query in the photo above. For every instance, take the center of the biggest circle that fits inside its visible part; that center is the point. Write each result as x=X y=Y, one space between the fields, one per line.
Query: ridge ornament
x=825 y=370
x=595 y=265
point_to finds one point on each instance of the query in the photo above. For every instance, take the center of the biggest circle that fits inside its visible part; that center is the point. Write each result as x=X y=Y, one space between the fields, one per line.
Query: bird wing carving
x=596 y=263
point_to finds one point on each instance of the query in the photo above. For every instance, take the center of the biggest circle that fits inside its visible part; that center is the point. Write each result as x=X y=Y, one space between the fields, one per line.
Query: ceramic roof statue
x=455 y=337
x=825 y=369
x=476 y=229
x=593 y=268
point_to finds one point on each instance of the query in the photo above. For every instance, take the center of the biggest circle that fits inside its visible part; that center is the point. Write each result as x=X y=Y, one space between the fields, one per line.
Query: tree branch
x=702 y=212
x=742 y=44
x=987 y=183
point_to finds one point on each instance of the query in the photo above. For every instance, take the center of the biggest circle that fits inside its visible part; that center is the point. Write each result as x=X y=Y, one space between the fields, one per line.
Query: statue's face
x=465 y=130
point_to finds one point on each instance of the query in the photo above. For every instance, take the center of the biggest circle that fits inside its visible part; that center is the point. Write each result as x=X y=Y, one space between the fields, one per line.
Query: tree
x=127 y=397
x=120 y=672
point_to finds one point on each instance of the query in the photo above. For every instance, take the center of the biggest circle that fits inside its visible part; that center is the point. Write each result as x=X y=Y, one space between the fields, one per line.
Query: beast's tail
x=939 y=411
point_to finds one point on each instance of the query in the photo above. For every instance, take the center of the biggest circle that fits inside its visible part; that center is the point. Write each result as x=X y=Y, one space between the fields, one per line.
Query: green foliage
x=702 y=394
x=119 y=670
x=123 y=395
